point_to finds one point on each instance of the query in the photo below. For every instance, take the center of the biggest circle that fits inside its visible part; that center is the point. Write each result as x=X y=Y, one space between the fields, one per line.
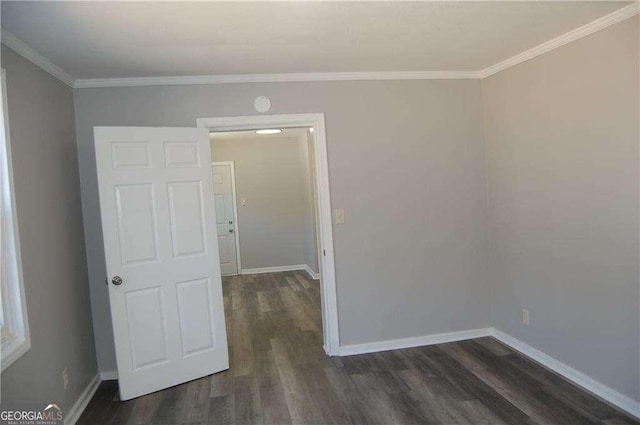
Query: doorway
x=328 y=296
x=265 y=201
x=161 y=252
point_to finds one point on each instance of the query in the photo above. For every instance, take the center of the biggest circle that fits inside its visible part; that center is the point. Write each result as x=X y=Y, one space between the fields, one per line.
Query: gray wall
x=47 y=189
x=562 y=146
x=406 y=162
x=272 y=223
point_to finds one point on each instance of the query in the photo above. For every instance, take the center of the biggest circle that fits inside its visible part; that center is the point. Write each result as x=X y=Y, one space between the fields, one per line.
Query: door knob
x=117 y=280
x=230 y=230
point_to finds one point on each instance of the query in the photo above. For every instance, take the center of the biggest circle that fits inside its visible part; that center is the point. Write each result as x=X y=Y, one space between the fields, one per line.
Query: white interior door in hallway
x=161 y=254
x=226 y=217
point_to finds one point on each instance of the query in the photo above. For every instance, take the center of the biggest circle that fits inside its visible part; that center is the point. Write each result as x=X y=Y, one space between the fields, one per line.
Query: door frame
x=235 y=209
x=328 y=291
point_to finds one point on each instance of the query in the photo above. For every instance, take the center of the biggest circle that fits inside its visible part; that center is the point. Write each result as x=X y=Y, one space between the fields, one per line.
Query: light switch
x=243 y=201
x=339 y=214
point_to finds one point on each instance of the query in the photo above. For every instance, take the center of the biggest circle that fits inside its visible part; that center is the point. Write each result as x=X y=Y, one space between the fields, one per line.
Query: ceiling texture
x=95 y=40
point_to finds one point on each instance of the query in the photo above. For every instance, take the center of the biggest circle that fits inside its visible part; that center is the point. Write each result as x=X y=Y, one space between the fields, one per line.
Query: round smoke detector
x=262 y=104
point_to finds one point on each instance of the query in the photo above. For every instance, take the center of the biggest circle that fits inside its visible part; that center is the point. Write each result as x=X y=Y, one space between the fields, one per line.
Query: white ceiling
x=143 y=39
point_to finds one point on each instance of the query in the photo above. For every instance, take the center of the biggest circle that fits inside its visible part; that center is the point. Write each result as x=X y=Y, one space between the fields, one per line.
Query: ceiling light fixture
x=269 y=131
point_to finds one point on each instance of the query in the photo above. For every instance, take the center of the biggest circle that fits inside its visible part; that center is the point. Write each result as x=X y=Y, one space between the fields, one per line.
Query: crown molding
x=28 y=53
x=580 y=32
x=24 y=50
x=576 y=34
x=276 y=78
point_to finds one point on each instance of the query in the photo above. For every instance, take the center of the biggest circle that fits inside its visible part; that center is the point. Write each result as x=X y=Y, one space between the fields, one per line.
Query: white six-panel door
x=224 y=195
x=158 y=222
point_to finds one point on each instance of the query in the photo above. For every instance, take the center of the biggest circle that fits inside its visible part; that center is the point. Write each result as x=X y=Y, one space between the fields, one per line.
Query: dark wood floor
x=279 y=375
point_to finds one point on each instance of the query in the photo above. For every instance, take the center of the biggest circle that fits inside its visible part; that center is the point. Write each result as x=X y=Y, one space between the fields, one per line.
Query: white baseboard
x=78 y=407
x=313 y=275
x=601 y=390
x=275 y=269
x=110 y=375
x=396 y=344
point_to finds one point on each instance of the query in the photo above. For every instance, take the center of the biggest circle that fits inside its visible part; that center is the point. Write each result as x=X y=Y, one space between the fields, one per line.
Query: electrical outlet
x=525 y=316
x=65 y=378
x=339 y=216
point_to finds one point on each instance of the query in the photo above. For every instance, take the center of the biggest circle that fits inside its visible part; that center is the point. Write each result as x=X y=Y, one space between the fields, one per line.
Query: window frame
x=15 y=339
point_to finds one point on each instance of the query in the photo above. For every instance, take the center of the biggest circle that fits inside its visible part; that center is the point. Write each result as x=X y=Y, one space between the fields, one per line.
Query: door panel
x=196 y=324
x=187 y=221
x=136 y=223
x=224 y=249
x=181 y=154
x=225 y=217
x=159 y=238
x=147 y=336
x=130 y=155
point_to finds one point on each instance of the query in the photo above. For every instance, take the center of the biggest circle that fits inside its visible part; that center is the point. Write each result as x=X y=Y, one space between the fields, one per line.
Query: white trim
x=274 y=269
x=71 y=417
x=418 y=341
x=599 y=389
x=573 y=35
x=250 y=122
x=110 y=375
x=24 y=50
x=234 y=201
x=15 y=350
x=311 y=273
x=325 y=236
x=584 y=381
x=275 y=78
x=30 y=54
x=15 y=308
x=576 y=34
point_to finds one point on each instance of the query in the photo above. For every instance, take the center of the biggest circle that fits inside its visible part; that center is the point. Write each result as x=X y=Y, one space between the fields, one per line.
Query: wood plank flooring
x=279 y=374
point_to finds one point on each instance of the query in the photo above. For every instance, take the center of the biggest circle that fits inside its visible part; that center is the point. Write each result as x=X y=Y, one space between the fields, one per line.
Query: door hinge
x=324 y=252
